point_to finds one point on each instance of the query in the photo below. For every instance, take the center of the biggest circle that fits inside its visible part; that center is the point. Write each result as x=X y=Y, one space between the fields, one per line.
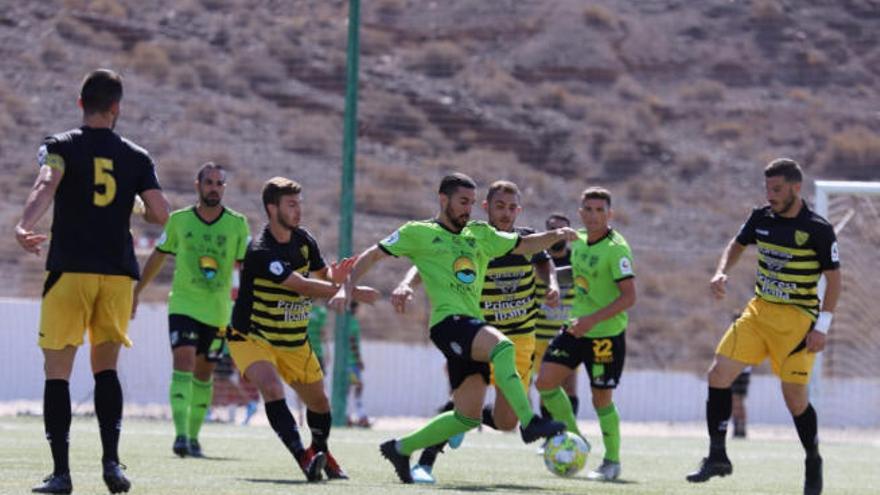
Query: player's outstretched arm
x=729 y=257
x=533 y=243
x=624 y=301
x=151 y=269
x=156 y=207
x=364 y=262
x=38 y=201
x=403 y=293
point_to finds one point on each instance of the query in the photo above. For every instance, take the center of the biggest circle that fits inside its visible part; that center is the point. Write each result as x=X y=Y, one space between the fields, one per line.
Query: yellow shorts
x=541 y=346
x=524 y=345
x=296 y=365
x=76 y=302
x=775 y=330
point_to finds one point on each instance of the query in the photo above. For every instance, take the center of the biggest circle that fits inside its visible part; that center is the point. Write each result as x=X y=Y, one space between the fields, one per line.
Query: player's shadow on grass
x=275 y=481
x=498 y=487
x=219 y=459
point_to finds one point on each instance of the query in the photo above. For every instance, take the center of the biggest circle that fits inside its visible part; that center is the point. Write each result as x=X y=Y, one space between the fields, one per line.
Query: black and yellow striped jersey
x=508 y=296
x=91 y=221
x=550 y=320
x=792 y=254
x=265 y=308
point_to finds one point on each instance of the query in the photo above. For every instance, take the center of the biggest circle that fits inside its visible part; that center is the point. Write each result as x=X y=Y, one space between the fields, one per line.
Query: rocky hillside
x=675 y=106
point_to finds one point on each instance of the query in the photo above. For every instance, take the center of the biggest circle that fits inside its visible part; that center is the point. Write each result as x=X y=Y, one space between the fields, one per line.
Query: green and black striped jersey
x=792 y=254
x=508 y=297
x=550 y=320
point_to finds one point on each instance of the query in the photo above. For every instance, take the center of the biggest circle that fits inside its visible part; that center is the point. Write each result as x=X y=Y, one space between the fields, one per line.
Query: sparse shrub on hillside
x=599 y=16
x=53 y=54
x=621 y=158
x=649 y=190
x=399 y=120
x=629 y=89
x=553 y=96
x=725 y=130
x=704 y=91
x=853 y=153
x=210 y=75
x=387 y=189
x=152 y=60
x=74 y=30
x=186 y=77
x=201 y=111
x=216 y=4
x=110 y=8
x=442 y=59
x=284 y=46
x=376 y=41
x=388 y=11
x=693 y=166
x=258 y=68
x=767 y=13
x=310 y=134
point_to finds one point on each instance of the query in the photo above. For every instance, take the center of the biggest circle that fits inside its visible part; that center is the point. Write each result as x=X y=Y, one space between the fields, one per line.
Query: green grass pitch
x=250 y=460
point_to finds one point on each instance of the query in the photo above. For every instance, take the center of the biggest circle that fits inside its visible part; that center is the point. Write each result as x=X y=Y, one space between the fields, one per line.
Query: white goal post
x=825 y=189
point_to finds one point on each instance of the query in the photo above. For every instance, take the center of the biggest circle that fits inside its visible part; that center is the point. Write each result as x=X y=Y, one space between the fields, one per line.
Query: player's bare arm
x=546 y=271
x=151 y=269
x=156 y=207
x=38 y=201
x=533 y=243
x=624 y=301
x=816 y=339
x=362 y=265
x=729 y=257
x=403 y=293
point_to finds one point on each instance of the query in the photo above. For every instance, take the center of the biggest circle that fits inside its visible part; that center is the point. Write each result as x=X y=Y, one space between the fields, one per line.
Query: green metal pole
x=346 y=209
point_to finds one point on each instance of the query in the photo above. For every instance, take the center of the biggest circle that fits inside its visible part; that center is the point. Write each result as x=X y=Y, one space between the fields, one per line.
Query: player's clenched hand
x=402 y=294
x=29 y=240
x=815 y=341
x=581 y=326
x=551 y=299
x=719 y=285
x=366 y=295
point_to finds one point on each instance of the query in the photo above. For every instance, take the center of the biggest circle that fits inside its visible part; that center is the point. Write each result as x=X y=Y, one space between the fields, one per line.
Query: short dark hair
x=453 y=181
x=502 y=186
x=100 y=90
x=596 y=193
x=207 y=166
x=556 y=216
x=277 y=187
x=785 y=167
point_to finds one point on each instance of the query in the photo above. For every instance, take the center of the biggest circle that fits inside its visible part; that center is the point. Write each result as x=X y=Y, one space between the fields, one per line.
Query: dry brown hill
x=675 y=106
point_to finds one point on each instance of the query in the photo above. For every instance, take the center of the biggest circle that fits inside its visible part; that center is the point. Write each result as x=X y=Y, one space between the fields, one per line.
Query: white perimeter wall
x=406 y=380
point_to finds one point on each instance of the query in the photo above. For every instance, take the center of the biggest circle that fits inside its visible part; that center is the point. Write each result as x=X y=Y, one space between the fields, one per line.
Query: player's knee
x=319 y=404
x=601 y=398
x=271 y=390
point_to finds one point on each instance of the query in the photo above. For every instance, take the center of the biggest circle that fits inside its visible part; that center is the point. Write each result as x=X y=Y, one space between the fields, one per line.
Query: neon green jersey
x=452 y=265
x=597 y=268
x=315 y=328
x=205 y=255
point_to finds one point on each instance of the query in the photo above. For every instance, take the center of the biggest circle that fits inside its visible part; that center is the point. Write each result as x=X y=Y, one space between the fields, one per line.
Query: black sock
x=488 y=418
x=545 y=413
x=429 y=455
x=108 y=409
x=807 y=429
x=575 y=402
x=447 y=407
x=56 y=418
x=718 y=410
x=285 y=426
x=319 y=424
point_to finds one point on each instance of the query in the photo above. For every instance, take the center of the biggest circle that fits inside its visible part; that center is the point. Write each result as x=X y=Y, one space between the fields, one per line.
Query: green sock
x=560 y=408
x=437 y=430
x=609 y=422
x=507 y=380
x=199 y=404
x=179 y=394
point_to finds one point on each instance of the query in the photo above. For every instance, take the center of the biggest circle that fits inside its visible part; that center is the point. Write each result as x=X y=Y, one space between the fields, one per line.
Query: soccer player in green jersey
x=605 y=288
x=94 y=177
x=452 y=255
x=785 y=321
x=314 y=331
x=508 y=304
x=206 y=240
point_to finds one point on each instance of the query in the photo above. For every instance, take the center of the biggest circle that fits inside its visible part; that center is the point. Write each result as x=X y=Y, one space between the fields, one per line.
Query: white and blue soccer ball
x=566 y=454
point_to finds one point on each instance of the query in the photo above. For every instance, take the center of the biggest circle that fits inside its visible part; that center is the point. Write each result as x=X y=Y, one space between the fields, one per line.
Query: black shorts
x=183 y=330
x=740 y=386
x=454 y=336
x=602 y=356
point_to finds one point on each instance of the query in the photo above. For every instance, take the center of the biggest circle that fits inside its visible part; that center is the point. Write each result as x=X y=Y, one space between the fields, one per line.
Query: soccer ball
x=565 y=454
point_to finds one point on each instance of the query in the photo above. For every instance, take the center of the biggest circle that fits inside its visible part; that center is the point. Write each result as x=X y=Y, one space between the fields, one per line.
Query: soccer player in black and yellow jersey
x=551 y=319
x=508 y=303
x=785 y=320
x=94 y=176
x=283 y=270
